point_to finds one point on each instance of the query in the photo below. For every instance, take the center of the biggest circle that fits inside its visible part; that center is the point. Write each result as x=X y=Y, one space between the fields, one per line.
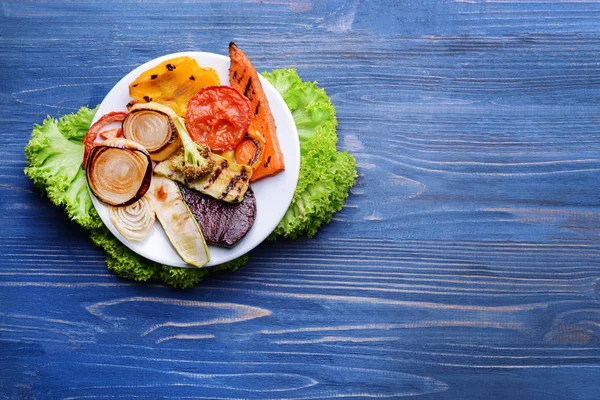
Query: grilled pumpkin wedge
x=244 y=78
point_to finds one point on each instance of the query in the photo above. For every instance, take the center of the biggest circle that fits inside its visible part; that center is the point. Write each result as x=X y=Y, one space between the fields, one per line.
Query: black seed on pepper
x=135 y=85
x=192 y=78
x=153 y=76
x=148 y=99
x=170 y=67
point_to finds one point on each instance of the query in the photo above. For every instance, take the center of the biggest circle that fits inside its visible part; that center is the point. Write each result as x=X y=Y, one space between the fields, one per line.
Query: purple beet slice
x=223 y=224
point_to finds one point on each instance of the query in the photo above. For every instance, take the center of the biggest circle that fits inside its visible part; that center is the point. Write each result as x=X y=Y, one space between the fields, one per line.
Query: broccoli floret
x=197 y=162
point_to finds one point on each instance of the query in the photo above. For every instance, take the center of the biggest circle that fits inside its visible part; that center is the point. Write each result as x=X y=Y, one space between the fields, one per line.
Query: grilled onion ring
x=135 y=220
x=118 y=171
x=152 y=129
x=251 y=149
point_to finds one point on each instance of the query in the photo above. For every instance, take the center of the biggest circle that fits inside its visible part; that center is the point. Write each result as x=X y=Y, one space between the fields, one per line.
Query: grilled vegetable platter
x=192 y=159
x=56 y=148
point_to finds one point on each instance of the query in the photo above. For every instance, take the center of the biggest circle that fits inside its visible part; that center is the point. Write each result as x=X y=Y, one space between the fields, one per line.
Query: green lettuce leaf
x=75 y=126
x=54 y=166
x=326 y=175
x=129 y=265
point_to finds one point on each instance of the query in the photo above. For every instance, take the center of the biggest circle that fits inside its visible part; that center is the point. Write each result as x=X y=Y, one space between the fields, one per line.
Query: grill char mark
x=242 y=176
x=248 y=85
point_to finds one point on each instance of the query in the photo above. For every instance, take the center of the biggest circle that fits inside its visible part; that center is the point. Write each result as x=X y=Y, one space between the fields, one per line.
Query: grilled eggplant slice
x=178 y=221
x=223 y=224
x=227 y=181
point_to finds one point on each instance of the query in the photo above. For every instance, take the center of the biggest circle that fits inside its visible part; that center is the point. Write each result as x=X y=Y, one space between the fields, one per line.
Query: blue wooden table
x=465 y=264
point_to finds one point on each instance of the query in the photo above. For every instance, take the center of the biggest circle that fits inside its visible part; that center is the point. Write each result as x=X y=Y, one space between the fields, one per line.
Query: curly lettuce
x=55 y=152
x=326 y=175
x=54 y=166
x=75 y=126
x=129 y=265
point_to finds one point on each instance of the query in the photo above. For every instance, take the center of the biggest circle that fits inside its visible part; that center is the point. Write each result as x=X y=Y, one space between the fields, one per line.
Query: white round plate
x=273 y=194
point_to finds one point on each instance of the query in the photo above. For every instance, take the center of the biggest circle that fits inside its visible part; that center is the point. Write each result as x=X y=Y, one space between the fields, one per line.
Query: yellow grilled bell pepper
x=173 y=83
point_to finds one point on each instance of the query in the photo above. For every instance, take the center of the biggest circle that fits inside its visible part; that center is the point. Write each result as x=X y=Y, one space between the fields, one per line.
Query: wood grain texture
x=465 y=264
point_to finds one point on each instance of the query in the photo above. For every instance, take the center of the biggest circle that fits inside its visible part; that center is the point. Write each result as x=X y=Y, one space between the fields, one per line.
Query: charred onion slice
x=150 y=126
x=118 y=171
x=135 y=220
x=251 y=149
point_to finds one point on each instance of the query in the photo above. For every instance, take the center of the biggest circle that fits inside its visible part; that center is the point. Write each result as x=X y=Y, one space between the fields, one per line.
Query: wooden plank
x=465 y=264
